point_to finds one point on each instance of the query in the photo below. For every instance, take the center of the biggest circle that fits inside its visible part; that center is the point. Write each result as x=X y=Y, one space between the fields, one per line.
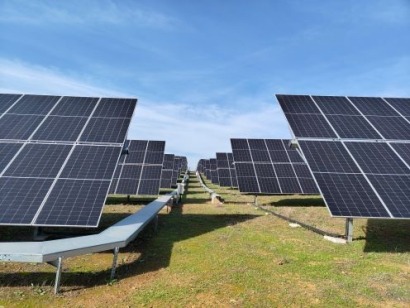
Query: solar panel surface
x=139 y=173
x=50 y=174
x=364 y=171
x=267 y=166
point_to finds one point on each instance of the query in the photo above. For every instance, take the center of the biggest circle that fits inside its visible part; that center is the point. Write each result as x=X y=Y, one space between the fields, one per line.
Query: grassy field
x=229 y=255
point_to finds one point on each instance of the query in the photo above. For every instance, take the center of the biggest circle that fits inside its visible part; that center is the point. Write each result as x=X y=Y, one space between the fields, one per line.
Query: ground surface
x=227 y=255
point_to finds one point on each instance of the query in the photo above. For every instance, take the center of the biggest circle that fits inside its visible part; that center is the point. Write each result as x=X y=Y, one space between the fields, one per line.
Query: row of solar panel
x=260 y=166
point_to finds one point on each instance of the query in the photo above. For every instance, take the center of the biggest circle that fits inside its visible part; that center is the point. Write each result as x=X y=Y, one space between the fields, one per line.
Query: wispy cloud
x=95 y=12
x=195 y=130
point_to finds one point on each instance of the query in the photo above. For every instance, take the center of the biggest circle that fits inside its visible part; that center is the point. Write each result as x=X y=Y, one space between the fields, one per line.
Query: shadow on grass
x=387 y=235
x=300 y=202
x=155 y=251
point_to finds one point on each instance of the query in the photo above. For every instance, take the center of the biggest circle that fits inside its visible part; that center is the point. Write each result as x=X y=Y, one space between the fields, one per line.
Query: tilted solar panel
x=52 y=173
x=362 y=164
x=268 y=166
x=139 y=173
x=225 y=167
x=167 y=171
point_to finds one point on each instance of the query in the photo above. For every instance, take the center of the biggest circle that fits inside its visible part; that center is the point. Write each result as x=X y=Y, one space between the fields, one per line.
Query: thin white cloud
x=80 y=12
x=195 y=130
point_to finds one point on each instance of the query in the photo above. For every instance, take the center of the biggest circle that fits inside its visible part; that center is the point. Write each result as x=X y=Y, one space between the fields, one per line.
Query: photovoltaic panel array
x=57 y=157
x=226 y=170
x=180 y=165
x=269 y=166
x=139 y=171
x=357 y=149
x=208 y=169
x=167 y=171
x=214 y=173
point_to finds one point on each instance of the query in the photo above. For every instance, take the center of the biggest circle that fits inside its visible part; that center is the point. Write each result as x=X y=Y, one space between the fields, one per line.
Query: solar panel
x=214 y=172
x=139 y=173
x=50 y=173
x=224 y=164
x=268 y=166
x=167 y=170
x=364 y=171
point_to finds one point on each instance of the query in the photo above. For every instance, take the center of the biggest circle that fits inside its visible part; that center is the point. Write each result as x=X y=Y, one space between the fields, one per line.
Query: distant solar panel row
x=58 y=156
x=269 y=166
x=226 y=170
x=358 y=150
x=139 y=172
x=180 y=165
x=167 y=171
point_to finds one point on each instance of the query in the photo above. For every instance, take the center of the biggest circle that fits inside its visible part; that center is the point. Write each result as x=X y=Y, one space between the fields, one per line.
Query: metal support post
x=114 y=262
x=349 y=230
x=59 y=266
x=128 y=199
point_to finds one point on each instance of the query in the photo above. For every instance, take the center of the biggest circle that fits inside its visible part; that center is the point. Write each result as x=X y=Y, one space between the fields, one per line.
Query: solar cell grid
x=7 y=100
x=336 y=105
x=353 y=127
x=42 y=168
x=391 y=127
x=373 y=106
x=114 y=108
x=34 y=104
x=402 y=105
x=297 y=104
x=38 y=160
x=310 y=125
x=110 y=130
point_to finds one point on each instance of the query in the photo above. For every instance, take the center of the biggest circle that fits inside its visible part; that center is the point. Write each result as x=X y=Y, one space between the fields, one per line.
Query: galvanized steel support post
x=114 y=262
x=349 y=230
x=59 y=266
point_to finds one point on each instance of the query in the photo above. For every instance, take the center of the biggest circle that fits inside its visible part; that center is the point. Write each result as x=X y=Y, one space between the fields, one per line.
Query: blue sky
x=205 y=71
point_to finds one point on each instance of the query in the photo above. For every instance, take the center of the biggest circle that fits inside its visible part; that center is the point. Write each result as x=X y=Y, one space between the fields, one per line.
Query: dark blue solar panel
x=224 y=173
x=402 y=105
x=297 y=104
x=245 y=169
x=289 y=185
x=136 y=157
x=151 y=172
x=275 y=144
x=295 y=157
x=113 y=186
x=110 y=130
x=373 y=106
x=241 y=155
x=154 y=158
x=395 y=192
x=260 y=156
x=131 y=172
x=225 y=182
x=269 y=186
x=6 y=100
x=13 y=126
x=377 y=158
x=328 y=156
x=335 y=105
x=403 y=149
x=248 y=185
x=137 y=145
x=310 y=125
x=279 y=156
x=302 y=171
x=349 y=195
x=20 y=199
x=115 y=107
x=39 y=160
x=60 y=128
x=391 y=127
x=257 y=144
x=166 y=178
x=149 y=187
x=156 y=146
x=7 y=152
x=284 y=171
x=308 y=186
x=241 y=144
x=91 y=162
x=34 y=104
x=353 y=127
x=168 y=161
x=265 y=170
x=64 y=207
x=127 y=186
x=75 y=106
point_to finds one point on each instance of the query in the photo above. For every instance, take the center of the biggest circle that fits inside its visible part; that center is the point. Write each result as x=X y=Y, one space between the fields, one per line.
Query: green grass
x=233 y=255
